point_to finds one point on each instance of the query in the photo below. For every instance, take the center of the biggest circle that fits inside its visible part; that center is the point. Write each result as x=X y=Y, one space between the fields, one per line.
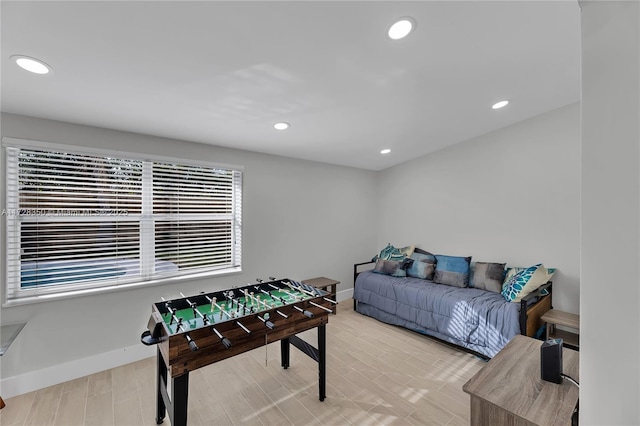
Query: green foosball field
x=203 y=310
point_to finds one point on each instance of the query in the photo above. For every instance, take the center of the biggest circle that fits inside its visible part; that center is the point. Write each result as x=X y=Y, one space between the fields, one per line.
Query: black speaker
x=551 y=360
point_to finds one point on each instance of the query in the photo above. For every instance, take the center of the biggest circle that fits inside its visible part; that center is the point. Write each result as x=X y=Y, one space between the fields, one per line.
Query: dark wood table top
x=321 y=282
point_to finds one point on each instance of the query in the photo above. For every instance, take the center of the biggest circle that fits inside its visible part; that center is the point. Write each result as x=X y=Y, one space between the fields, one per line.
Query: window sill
x=129 y=286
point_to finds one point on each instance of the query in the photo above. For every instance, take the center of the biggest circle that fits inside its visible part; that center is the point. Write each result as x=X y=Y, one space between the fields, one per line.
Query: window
x=84 y=221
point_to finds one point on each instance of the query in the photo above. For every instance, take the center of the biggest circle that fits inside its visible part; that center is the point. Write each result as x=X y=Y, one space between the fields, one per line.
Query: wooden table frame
x=176 y=404
x=186 y=350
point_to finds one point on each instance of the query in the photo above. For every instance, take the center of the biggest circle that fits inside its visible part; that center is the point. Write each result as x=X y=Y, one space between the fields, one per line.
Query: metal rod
x=320 y=306
x=243 y=327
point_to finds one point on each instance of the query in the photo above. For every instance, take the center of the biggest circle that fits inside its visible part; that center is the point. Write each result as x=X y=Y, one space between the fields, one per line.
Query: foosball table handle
x=226 y=342
x=191 y=342
x=306 y=313
x=267 y=323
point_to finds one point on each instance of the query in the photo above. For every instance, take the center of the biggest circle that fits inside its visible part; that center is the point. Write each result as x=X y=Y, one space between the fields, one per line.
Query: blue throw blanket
x=472 y=318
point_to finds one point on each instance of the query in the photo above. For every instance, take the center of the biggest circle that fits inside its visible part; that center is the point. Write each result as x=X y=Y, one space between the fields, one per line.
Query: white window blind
x=80 y=221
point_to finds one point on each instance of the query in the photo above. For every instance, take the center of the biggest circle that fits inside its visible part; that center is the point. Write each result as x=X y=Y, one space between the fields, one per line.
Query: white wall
x=610 y=267
x=509 y=196
x=301 y=219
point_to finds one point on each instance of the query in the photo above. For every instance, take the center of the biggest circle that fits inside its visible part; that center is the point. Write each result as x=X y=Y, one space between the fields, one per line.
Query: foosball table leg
x=162 y=381
x=284 y=352
x=322 y=362
x=179 y=398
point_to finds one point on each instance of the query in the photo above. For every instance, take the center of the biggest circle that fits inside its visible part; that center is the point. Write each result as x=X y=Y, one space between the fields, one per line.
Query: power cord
x=571 y=379
x=574 y=417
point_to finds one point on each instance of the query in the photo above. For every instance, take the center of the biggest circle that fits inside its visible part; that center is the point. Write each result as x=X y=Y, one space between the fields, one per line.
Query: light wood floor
x=376 y=374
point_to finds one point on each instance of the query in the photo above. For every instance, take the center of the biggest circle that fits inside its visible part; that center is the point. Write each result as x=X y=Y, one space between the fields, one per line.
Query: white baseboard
x=34 y=380
x=344 y=294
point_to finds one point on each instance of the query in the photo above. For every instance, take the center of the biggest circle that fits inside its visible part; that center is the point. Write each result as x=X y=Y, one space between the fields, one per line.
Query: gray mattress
x=474 y=319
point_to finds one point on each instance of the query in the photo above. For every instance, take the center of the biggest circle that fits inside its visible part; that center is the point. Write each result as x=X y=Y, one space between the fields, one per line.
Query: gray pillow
x=420 y=269
x=489 y=276
x=424 y=265
x=391 y=267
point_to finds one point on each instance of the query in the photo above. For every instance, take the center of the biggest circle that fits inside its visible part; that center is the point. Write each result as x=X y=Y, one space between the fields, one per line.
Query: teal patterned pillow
x=392 y=253
x=512 y=270
x=522 y=283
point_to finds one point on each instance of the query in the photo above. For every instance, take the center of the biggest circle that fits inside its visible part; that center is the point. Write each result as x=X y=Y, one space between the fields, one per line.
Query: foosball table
x=195 y=331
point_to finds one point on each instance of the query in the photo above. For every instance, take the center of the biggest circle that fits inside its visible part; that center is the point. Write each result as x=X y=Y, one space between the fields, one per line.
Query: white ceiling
x=223 y=73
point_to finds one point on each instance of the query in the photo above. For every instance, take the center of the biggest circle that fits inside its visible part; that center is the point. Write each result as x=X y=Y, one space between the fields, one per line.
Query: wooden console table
x=509 y=390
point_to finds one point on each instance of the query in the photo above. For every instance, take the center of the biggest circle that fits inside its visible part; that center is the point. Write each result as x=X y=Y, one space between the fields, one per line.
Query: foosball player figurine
x=196 y=311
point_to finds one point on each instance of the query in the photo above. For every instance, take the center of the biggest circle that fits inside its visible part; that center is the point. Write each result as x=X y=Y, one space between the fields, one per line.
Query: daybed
x=475 y=319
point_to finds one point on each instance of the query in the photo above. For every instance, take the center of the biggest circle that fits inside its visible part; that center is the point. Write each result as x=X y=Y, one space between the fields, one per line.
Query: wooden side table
x=508 y=390
x=555 y=317
x=323 y=283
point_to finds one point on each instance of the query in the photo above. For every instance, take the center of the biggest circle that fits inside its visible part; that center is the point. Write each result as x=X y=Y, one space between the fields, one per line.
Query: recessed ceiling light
x=401 y=28
x=500 y=104
x=385 y=151
x=281 y=126
x=33 y=65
